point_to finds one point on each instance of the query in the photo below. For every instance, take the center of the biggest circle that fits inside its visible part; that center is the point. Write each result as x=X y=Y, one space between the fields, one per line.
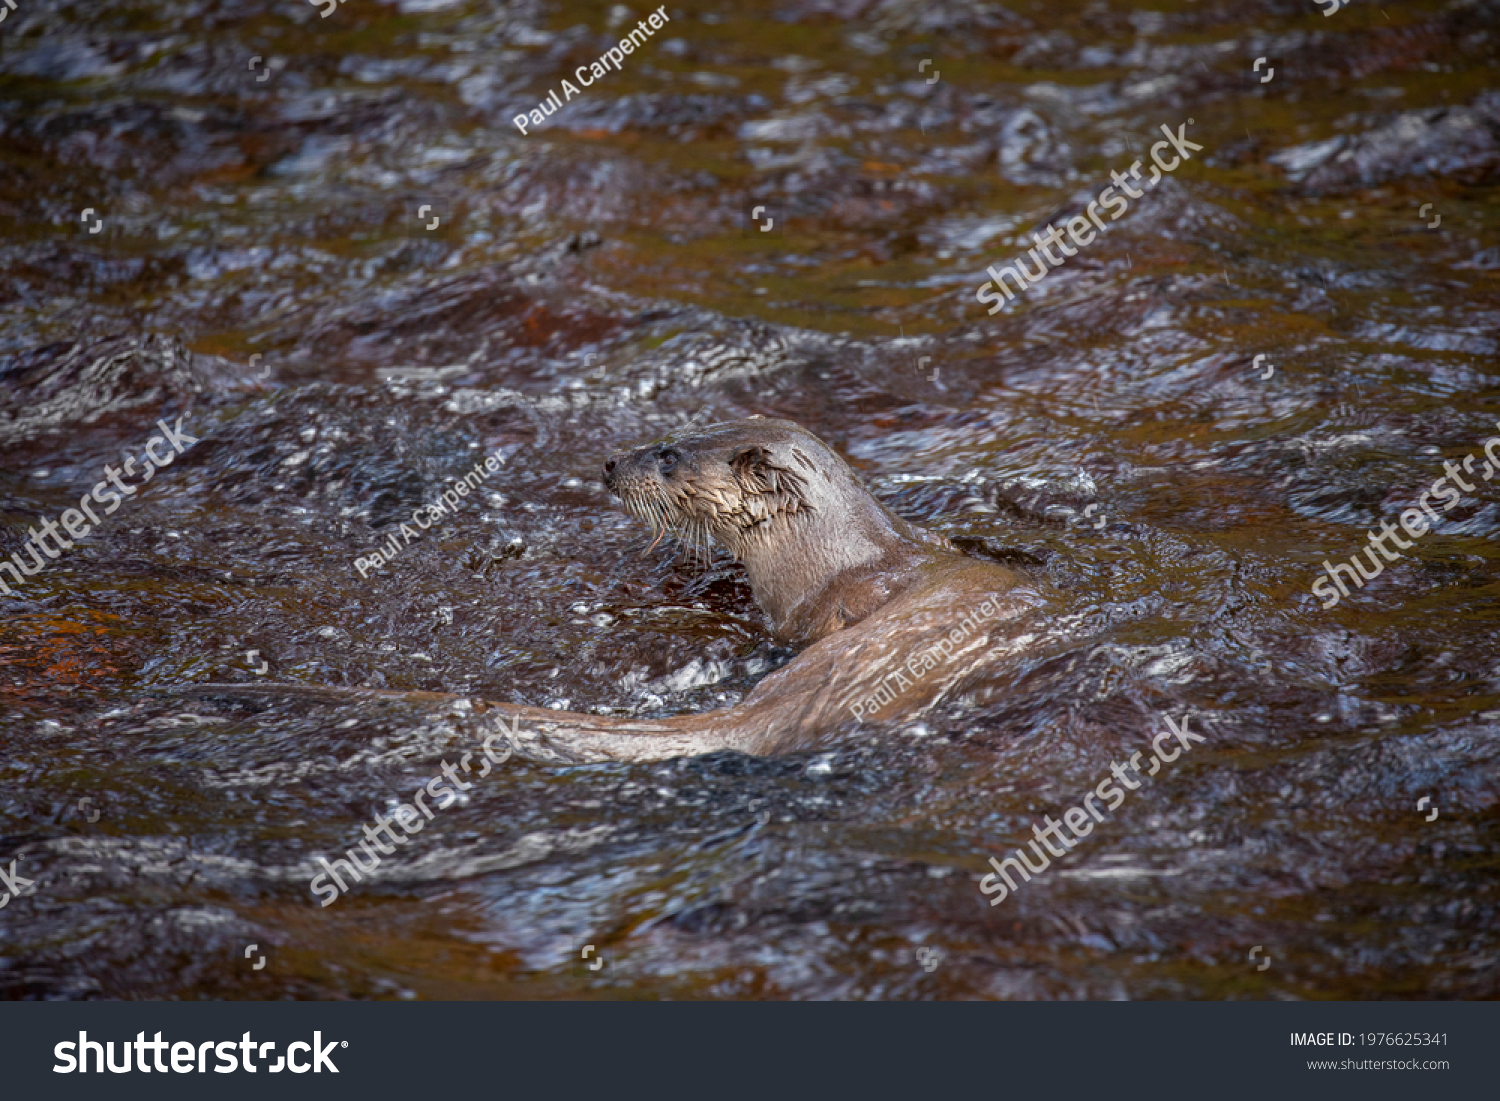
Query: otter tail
x=538 y=733
x=311 y=693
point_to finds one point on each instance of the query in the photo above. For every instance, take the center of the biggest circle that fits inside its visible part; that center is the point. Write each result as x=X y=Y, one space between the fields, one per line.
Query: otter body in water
x=893 y=616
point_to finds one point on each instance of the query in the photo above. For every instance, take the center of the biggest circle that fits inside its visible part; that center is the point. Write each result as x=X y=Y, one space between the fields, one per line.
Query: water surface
x=355 y=278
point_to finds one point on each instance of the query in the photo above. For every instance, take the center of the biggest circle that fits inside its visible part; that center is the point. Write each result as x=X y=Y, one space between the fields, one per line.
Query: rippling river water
x=325 y=246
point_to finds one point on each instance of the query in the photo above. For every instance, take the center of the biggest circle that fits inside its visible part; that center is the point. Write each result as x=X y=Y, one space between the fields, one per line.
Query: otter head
x=770 y=493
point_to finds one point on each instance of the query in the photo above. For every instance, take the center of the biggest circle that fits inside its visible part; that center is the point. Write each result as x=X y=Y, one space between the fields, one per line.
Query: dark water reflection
x=599 y=281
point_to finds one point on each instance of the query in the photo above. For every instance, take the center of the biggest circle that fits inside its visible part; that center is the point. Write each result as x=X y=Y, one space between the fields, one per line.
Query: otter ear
x=752 y=465
x=748 y=460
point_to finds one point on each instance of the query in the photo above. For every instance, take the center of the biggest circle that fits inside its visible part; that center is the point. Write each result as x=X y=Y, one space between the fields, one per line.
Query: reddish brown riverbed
x=264 y=269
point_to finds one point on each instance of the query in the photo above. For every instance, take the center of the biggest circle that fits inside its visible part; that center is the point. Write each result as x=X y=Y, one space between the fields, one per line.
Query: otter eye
x=666 y=459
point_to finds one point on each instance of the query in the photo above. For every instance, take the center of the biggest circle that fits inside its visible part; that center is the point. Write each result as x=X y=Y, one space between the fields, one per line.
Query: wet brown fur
x=832 y=568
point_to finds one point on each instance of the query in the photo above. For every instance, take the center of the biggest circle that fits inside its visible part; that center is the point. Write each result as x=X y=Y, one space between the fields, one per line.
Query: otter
x=892 y=616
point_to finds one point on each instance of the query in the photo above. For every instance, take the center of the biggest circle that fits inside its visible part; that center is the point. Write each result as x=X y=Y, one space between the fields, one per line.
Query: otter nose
x=609 y=467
